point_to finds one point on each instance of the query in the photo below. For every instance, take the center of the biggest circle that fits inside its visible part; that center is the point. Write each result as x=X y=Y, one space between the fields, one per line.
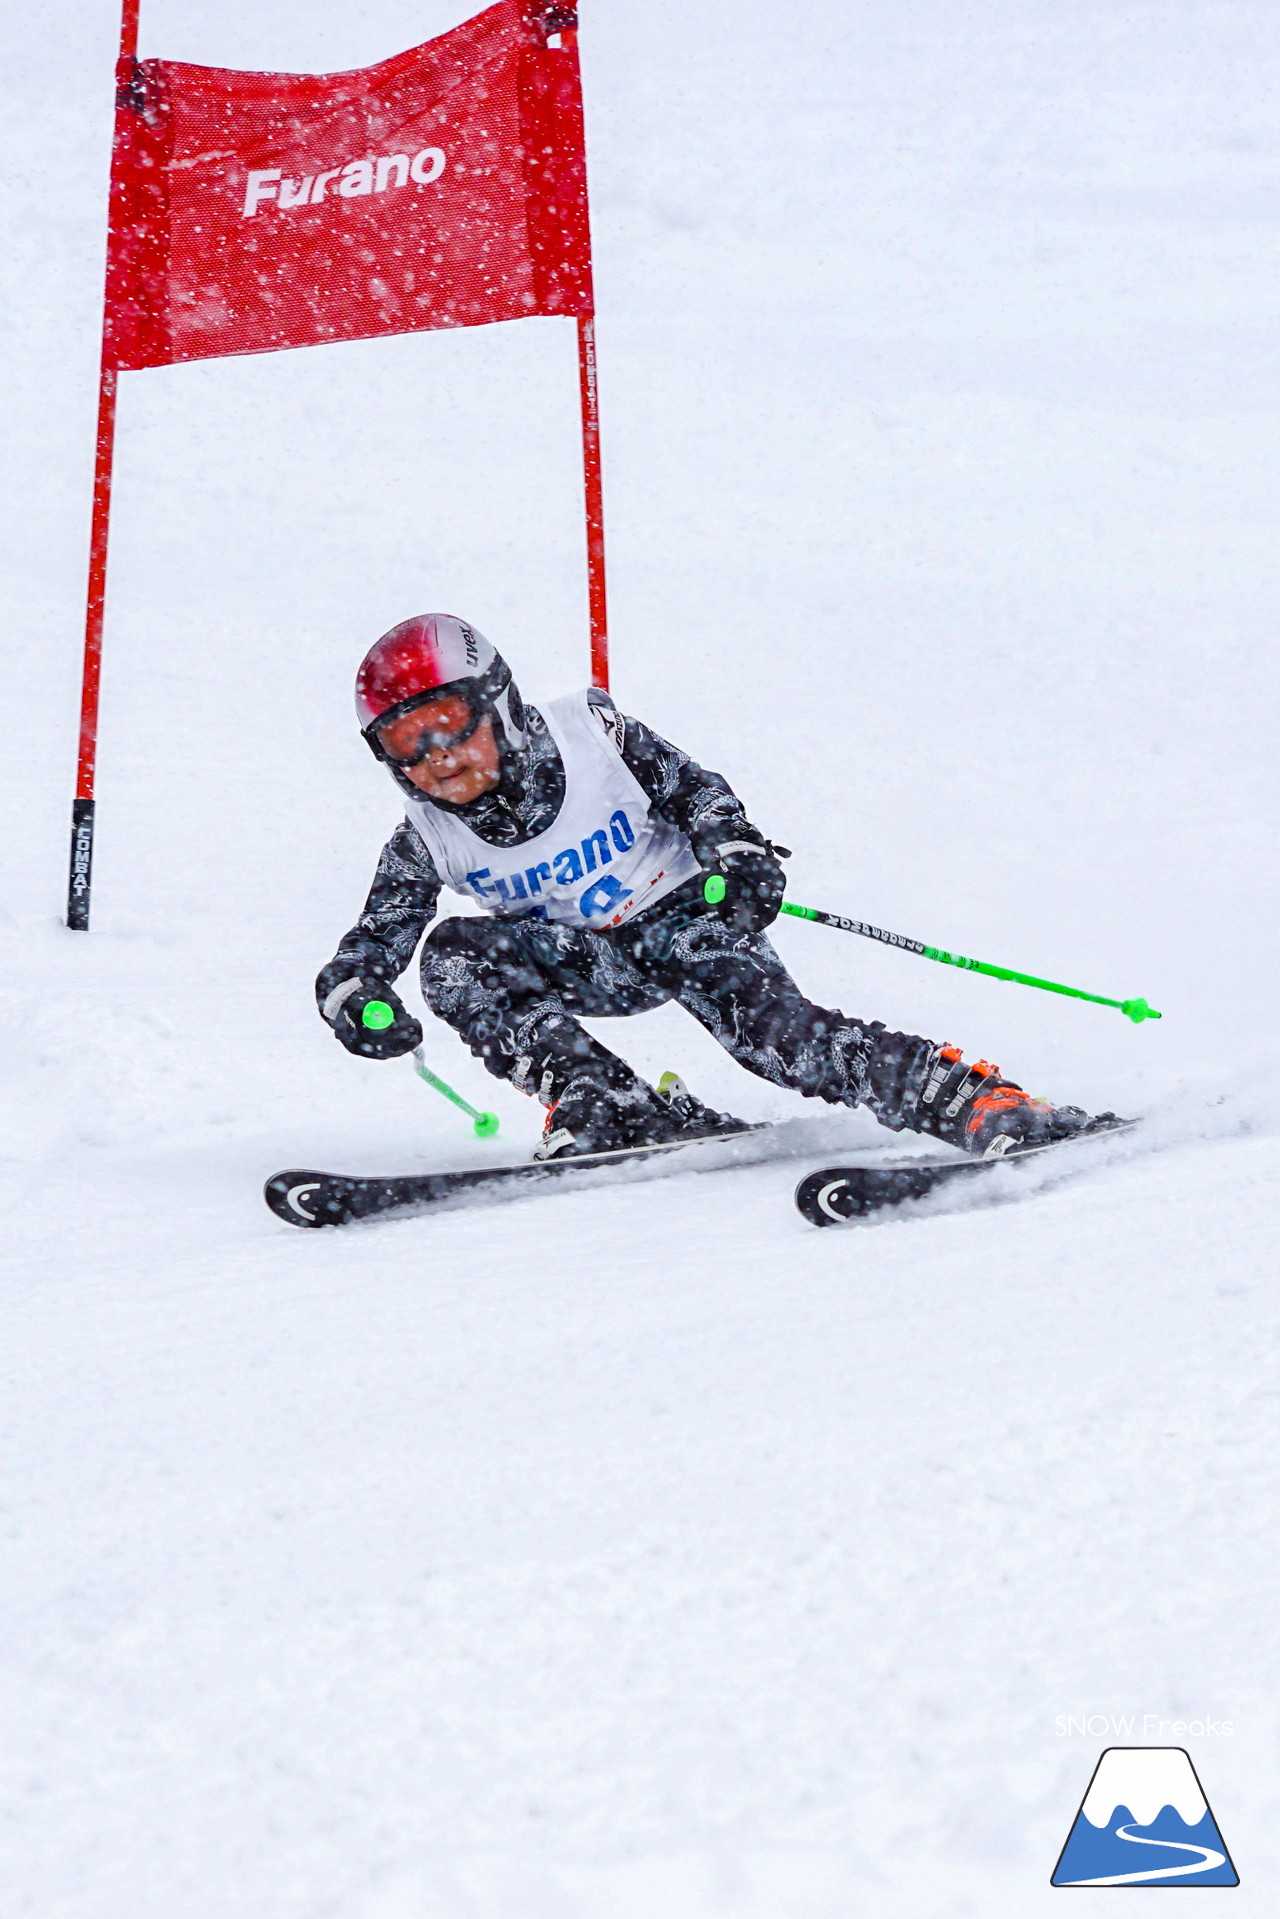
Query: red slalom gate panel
x=445 y=187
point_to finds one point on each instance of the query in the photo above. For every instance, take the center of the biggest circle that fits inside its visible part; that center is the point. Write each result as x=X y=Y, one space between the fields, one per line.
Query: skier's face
x=459 y=771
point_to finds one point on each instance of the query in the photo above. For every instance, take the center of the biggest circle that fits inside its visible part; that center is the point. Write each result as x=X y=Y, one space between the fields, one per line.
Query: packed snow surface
x=643 y=1551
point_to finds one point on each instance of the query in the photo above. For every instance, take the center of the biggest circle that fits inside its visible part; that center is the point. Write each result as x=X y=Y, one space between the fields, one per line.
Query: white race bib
x=606 y=855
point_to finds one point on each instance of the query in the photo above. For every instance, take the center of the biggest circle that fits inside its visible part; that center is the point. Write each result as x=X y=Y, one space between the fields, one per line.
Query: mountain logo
x=1144 y=1822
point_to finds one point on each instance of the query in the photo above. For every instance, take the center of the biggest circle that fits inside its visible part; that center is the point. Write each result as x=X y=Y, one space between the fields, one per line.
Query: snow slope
x=644 y=1551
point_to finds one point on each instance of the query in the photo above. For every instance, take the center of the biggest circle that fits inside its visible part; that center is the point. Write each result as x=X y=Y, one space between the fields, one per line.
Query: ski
x=834 y=1195
x=304 y=1197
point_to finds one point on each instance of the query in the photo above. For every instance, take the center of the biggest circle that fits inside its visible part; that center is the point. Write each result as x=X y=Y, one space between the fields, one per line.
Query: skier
x=587 y=841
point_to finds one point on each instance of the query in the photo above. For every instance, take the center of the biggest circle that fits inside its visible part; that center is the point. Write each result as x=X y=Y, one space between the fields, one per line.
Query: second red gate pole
x=595 y=500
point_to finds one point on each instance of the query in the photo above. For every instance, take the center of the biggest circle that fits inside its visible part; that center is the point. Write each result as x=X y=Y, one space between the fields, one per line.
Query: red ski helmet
x=422 y=660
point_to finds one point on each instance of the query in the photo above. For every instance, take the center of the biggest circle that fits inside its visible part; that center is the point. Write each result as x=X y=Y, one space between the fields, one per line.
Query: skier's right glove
x=342 y=997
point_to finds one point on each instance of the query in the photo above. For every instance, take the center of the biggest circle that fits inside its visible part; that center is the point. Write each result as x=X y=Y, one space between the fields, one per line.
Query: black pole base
x=80 y=880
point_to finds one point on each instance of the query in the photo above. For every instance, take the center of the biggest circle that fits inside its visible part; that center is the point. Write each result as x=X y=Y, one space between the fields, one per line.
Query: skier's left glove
x=342 y=994
x=753 y=881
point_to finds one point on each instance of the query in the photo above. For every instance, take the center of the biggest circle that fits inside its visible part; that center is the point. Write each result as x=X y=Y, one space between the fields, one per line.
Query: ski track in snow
x=643 y=1551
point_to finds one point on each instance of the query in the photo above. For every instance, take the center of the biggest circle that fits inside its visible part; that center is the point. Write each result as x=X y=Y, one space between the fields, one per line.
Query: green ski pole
x=1135 y=1009
x=377 y=1016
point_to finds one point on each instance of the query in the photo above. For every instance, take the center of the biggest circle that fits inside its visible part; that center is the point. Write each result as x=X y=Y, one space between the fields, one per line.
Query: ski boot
x=599 y=1112
x=609 y=1111
x=696 y=1120
x=986 y=1115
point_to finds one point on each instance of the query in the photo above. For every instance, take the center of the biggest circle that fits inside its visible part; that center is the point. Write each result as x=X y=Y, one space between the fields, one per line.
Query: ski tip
x=293 y=1196
x=827 y=1198
x=836 y=1194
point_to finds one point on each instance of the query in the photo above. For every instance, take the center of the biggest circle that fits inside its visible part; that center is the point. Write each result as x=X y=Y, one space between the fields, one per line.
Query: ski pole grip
x=713 y=890
x=377 y=1016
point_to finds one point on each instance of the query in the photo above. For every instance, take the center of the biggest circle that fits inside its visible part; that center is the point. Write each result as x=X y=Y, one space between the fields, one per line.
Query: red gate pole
x=82 y=812
x=595 y=500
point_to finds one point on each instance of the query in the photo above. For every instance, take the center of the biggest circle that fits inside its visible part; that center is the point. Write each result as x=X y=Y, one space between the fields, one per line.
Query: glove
x=342 y=996
x=753 y=885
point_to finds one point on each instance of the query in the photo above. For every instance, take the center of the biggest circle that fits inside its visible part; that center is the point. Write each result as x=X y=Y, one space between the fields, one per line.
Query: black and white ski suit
x=513 y=987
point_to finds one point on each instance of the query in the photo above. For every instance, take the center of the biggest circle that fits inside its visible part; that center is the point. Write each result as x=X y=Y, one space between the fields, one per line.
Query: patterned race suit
x=513 y=987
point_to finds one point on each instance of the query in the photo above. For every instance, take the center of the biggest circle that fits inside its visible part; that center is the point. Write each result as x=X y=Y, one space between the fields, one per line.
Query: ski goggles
x=440 y=722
